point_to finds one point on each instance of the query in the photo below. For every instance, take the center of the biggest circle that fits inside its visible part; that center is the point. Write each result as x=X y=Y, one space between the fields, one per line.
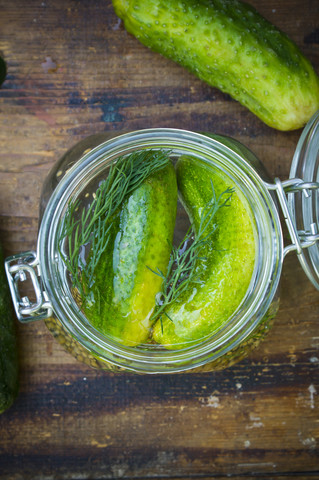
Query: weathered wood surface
x=74 y=71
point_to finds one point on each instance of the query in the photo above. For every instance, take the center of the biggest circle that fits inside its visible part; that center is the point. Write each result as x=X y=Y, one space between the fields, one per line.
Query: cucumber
x=226 y=270
x=140 y=241
x=9 y=366
x=3 y=70
x=227 y=44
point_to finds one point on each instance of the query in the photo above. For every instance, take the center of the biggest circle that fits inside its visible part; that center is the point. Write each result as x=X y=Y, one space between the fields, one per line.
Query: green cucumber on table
x=140 y=239
x=225 y=264
x=9 y=367
x=229 y=45
x=3 y=70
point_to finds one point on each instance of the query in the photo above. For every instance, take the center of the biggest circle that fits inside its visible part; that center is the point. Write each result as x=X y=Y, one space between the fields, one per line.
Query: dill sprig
x=90 y=225
x=182 y=271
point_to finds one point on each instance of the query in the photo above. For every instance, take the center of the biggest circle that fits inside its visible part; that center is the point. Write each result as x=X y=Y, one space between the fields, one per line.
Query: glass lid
x=303 y=200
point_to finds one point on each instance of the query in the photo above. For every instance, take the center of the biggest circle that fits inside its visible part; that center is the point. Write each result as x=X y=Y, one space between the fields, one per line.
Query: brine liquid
x=208 y=304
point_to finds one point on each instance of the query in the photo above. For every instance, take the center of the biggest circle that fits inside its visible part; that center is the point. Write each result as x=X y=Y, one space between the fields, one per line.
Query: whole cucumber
x=227 y=44
x=3 y=70
x=226 y=264
x=140 y=242
x=9 y=367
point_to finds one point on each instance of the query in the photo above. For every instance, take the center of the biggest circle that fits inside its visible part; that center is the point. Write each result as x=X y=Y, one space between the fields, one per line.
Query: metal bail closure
x=303 y=231
x=25 y=268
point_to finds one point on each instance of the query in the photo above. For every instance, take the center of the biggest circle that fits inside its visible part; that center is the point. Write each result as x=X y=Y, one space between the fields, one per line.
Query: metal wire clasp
x=300 y=239
x=21 y=268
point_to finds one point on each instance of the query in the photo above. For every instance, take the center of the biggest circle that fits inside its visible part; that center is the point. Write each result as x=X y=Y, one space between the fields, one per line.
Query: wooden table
x=74 y=71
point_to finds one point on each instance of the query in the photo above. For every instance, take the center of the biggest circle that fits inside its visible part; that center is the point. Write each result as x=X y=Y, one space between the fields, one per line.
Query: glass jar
x=54 y=303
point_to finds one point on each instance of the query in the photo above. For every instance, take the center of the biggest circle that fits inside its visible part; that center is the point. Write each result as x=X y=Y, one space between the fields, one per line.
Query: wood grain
x=74 y=71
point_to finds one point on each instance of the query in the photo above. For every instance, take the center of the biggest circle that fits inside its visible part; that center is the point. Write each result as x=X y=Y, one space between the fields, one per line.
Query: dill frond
x=90 y=225
x=182 y=271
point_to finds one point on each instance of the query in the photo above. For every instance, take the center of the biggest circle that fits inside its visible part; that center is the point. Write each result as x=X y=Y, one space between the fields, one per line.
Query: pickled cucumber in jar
x=141 y=235
x=138 y=285
x=224 y=261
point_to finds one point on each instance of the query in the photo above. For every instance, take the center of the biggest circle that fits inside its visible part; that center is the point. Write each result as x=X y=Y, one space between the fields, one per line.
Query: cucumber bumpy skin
x=9 y=364
x=227 y=44
x=139 y=241
x=3 y=70
x=227 y=268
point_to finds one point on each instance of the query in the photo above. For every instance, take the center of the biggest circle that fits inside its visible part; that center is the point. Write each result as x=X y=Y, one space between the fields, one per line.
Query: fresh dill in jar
x=89 y=226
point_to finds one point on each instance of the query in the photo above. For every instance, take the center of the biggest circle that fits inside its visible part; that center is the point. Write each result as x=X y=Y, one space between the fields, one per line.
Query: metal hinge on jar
x=25 y=268
x=300 y=239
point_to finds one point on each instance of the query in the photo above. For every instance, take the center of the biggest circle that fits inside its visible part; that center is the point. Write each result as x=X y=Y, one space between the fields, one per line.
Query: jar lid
x=303 y=199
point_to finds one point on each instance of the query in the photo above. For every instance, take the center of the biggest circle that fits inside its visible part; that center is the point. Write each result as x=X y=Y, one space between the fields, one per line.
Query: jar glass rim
x=266 y=278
